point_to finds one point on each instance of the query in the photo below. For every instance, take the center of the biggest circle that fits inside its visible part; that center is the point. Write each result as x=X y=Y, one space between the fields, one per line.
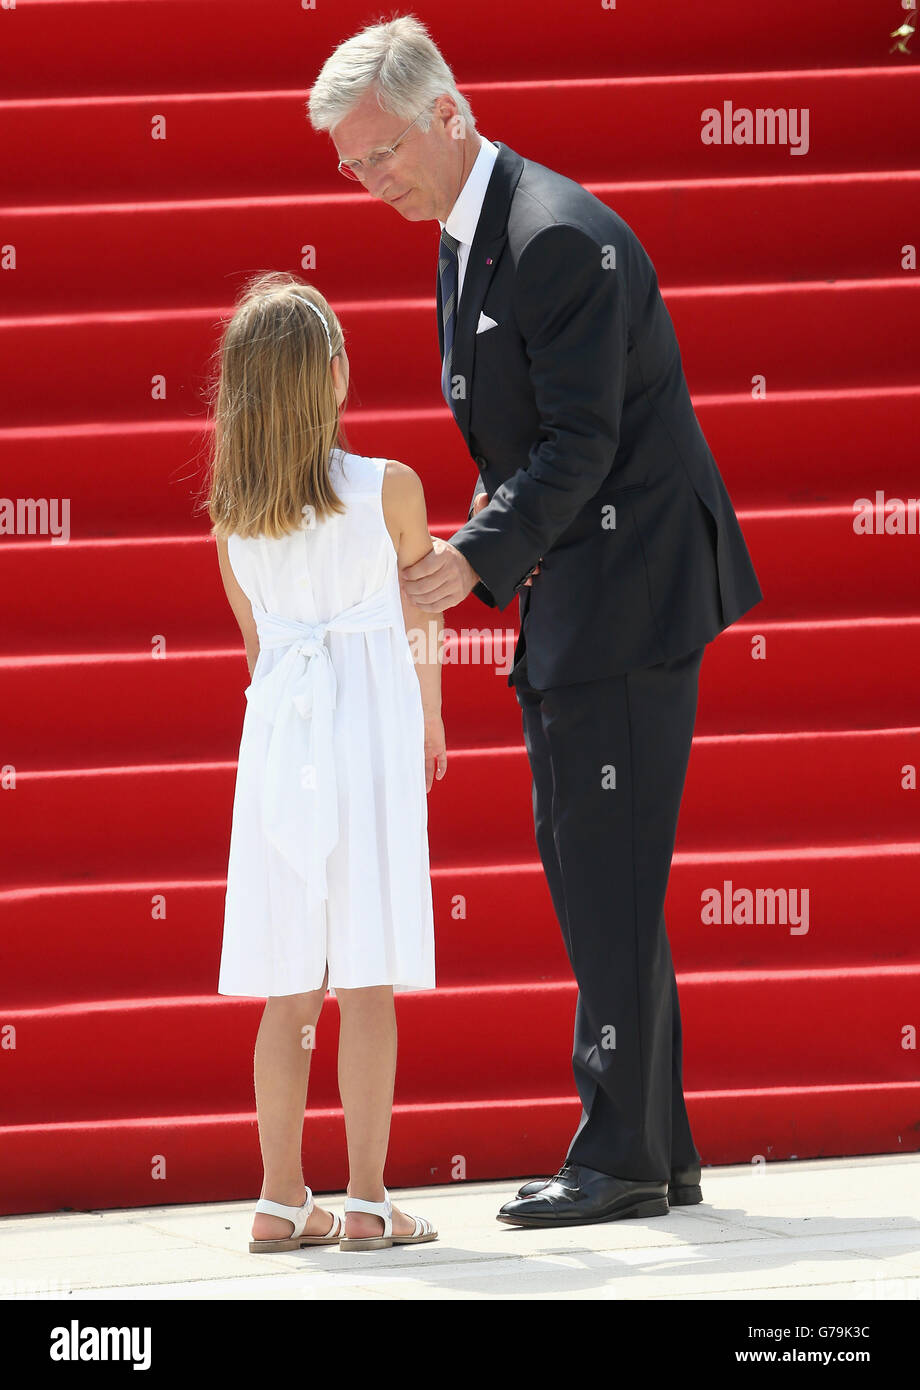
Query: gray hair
x=400 y=60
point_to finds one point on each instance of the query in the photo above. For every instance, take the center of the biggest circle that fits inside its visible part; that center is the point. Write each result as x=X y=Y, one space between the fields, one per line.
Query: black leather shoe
x=579 y=1196
x=683 y=1189
x=537 y=1184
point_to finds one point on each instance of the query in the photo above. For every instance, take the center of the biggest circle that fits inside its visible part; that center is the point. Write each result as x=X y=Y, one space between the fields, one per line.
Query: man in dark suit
x=608 y=517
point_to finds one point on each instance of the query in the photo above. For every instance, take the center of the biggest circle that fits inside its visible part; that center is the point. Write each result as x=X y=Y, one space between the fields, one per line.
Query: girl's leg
x=282 y=1068
x=367 y=1072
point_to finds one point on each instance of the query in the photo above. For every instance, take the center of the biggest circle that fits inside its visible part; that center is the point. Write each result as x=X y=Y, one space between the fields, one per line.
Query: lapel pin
x=488 y=260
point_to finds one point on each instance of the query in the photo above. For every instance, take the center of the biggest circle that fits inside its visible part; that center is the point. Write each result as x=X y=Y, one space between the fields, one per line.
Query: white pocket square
x=485 y=322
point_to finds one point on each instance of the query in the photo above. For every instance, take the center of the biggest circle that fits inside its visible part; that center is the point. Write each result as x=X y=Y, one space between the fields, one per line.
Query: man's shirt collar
x=464 y=215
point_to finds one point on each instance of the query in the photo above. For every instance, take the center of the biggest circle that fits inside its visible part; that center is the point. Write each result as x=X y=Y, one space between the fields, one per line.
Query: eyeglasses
x=349 y=167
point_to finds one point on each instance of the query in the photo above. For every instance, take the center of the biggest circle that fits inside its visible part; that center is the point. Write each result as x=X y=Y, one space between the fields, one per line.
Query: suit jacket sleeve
x=572 y=313
x=479 y=589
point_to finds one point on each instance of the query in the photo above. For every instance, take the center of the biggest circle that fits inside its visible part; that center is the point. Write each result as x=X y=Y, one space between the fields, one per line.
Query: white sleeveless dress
x=328 y=858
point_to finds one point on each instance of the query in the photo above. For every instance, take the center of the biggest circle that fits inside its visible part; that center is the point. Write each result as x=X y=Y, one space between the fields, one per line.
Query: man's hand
x=440 y=579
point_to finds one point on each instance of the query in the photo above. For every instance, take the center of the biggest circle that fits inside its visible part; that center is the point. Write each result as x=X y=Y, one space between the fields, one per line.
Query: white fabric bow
x=298 y=697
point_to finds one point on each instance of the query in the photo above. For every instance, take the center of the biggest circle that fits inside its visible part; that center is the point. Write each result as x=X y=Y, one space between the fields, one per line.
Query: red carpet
x=128 y=252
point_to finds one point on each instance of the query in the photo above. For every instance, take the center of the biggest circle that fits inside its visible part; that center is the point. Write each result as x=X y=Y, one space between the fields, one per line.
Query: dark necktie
x=447 y=270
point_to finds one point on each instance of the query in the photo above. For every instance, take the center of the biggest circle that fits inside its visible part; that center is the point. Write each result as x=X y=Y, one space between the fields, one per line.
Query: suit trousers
x=609 y=759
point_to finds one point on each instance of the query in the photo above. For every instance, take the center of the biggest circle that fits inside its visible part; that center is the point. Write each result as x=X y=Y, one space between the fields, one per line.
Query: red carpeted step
x=124 y=784
x=494 y=924
x=801 y=447
x=127 y=596
x=119 y=822
x=119 y=46
x=840 y=674
x=742 y=1029
x=717 y=230
x=215 y=144
x=117 y=365
x=108 y=1164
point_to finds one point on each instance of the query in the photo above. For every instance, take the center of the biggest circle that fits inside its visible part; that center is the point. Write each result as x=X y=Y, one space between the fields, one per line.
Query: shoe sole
x=383 y=1242
x=276 y=1247
x=656 y=1206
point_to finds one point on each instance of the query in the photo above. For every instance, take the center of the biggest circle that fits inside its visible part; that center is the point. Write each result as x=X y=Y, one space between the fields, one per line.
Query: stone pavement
x=845 y=1229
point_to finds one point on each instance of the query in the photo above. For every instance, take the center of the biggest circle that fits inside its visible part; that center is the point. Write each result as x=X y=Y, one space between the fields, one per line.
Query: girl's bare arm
x=242 y=608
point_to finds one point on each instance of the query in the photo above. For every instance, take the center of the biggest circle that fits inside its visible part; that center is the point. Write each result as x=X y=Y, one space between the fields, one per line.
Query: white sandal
x=298 y=1217
x=423 y=1228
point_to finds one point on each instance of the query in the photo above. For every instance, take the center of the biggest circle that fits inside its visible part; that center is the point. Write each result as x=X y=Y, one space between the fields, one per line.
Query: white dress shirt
x=464 y=215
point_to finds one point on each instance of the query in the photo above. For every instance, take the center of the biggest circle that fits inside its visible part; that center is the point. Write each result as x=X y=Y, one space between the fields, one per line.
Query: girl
x=328 y=874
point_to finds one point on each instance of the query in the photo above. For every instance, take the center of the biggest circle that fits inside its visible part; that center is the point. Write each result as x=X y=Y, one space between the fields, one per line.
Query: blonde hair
x=276 y=419
x=400 y=61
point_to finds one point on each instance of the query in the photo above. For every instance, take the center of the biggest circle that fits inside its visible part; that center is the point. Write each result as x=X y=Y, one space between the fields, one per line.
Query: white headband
x=322 y=318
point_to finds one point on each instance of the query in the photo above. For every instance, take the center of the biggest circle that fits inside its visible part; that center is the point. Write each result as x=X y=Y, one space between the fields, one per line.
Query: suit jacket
x=576 y=411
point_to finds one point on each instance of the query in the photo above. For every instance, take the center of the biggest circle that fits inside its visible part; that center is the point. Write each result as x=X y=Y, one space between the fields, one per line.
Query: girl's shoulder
x=358 y=472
